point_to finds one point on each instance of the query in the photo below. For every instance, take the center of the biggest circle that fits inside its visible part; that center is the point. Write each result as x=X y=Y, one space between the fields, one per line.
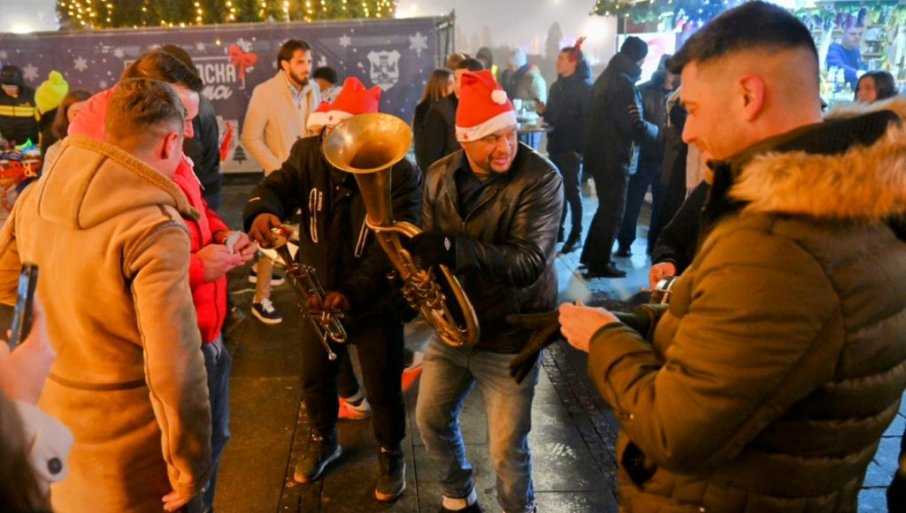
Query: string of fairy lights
x=99 y=14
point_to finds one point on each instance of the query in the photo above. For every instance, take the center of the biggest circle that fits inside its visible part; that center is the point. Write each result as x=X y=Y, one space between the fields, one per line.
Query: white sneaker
x=354 y=411
x=266 y=313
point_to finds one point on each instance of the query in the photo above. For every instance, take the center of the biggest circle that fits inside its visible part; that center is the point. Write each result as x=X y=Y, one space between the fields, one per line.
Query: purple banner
x=397 y=55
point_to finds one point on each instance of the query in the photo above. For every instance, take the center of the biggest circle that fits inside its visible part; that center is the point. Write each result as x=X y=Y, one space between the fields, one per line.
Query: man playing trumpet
x=353 y=268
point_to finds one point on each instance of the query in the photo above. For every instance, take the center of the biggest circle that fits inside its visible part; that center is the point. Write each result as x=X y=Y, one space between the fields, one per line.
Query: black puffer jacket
x=505 y=249
x=333 y=236
x=612 y=138
x=567 y=111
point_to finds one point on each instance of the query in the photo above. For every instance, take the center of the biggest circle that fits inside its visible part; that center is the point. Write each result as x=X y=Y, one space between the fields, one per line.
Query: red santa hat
x=483 y=107
x=353 y=99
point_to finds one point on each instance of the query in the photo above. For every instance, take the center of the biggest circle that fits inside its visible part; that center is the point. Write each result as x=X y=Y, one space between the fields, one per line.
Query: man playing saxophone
x=352 y=267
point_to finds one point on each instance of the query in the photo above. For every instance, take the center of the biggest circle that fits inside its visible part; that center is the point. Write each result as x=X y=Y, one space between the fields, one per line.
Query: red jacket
x=209 y=297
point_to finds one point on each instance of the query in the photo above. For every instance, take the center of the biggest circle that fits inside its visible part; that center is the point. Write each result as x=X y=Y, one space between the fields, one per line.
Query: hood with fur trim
x=852 y=166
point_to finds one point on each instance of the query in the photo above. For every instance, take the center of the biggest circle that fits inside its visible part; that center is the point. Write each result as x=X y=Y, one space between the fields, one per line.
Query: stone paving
x=572 y=438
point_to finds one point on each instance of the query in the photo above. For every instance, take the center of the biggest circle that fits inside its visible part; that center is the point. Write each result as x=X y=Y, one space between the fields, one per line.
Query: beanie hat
x=49 y=95
x=483 y=107
x=634 y=48
x=517 y=58
x=353 y=99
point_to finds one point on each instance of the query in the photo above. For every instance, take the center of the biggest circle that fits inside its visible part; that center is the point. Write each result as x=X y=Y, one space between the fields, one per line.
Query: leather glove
x=546 y=328
x=643 y=319
x=634 y=114
x=399 y=307
x=433 y=248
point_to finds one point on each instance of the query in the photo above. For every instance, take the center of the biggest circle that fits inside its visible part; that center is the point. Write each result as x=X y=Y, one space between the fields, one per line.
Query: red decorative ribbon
x=241 y=60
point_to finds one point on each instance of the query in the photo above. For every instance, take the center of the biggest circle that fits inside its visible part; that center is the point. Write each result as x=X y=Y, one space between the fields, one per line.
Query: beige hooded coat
x=129 y=379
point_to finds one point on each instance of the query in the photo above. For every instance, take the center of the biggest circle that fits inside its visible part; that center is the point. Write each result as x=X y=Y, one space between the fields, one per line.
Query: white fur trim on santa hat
x=498 y=122
x=498 y=96
x=331 y=119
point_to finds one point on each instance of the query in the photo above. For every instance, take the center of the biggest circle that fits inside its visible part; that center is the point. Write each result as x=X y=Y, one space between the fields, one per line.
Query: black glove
x=643 y=319
x=634 y=114
x=546 y=328
x=433 y=248
x=399 y=307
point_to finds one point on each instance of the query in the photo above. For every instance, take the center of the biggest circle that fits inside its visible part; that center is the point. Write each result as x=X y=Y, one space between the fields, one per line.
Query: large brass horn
x=368 y=145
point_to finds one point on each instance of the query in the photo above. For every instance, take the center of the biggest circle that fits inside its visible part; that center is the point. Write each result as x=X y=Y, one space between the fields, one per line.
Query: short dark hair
x=161 y=65
x=138 y=104
x=326 y=73
x=752 y=26
x=179 y=53
x=289 y=48
x=471 y=64
x=61 y=119
x=885 y=86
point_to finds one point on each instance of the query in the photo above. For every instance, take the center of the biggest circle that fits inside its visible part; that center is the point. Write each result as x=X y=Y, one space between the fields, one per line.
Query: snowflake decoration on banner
x=345 y=41
x=80 y=64
x=119 y=53
x=103 y=84
x=245 y=45
x=418 y=42
x=3 y=54
x=322 y=62
x=199 y=46
x=30 y=72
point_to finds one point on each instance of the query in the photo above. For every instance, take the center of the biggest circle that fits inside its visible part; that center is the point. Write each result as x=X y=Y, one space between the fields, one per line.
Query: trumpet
x=368 y=145
x=305 y=284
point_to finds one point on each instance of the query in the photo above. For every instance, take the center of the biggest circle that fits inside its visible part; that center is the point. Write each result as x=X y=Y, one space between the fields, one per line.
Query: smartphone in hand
x=25 y=295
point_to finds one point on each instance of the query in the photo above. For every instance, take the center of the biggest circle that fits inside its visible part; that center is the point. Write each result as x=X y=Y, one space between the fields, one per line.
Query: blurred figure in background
x=875 y=85
x=440 y=85
x=439 y=132
x=328 y=83
x=48 y=97
x=567 y=114
x=651 y=156
x=18 y=122
x=486 y=57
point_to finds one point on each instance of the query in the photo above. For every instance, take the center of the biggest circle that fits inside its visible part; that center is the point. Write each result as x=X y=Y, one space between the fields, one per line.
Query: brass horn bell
x=368 y=145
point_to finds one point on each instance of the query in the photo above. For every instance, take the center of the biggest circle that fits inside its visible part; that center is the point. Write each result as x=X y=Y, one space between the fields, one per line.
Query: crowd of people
x=764 y=385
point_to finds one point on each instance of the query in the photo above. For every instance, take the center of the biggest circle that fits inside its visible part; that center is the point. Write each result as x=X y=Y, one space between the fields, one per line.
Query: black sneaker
x=320 y=452
x=266 y=313
x=607 y=271
x=624 y=252
x=573 y=242
x=392 y=477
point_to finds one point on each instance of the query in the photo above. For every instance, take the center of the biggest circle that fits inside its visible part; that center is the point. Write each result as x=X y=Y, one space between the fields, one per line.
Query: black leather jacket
x=333 y=237
x=505 y=249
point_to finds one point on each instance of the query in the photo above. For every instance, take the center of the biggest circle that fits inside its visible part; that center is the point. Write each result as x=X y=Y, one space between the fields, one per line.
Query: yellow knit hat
x=49 y=95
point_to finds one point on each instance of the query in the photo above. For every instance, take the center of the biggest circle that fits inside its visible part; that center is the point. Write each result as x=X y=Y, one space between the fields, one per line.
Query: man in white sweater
x=277 y=115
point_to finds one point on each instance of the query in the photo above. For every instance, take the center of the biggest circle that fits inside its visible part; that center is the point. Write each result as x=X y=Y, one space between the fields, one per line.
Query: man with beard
x=276 y=117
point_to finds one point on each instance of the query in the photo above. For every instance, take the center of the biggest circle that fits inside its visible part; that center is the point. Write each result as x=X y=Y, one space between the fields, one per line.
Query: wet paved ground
x=572 y=438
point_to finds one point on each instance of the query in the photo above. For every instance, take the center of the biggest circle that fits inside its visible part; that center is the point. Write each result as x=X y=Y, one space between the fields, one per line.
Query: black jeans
x=610 y=185
x=570 y=165
x=649 y=173
x=380 y=347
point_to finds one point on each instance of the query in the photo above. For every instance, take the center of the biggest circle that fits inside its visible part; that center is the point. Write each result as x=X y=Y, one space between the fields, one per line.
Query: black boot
x=391 y=480
x=573 y=242
x=320 y=452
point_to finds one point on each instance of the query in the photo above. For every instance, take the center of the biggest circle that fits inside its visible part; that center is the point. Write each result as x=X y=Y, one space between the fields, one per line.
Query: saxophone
x=368 y=145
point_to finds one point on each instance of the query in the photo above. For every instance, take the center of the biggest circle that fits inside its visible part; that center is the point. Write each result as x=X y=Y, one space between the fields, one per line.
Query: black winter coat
x=438 y=136
x=204 y=148
x=567 y=111
x=612 y=138
x=505 y=248
x=654 y=103
x=333 y=236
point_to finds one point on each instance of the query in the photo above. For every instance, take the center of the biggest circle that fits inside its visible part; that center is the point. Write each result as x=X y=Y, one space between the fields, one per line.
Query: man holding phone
x=104 y=224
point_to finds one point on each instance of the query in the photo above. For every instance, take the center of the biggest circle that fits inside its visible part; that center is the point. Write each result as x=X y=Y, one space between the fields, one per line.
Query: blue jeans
x=448 y=377
x=217 y=362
